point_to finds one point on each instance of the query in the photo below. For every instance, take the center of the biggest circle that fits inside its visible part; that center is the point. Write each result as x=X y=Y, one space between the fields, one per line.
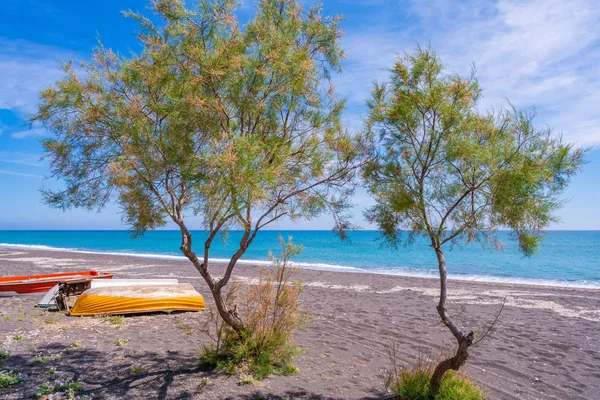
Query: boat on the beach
x=138 y=299
x=50 y=298
x=26 y=284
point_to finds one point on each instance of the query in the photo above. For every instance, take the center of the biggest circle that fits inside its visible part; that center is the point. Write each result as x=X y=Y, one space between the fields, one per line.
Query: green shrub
x=413 y=384
x=3 y=354
x=117 y=321
x=42 y=359
x=272 y=315
x=9 y=378
x=69 y=387
x=205 y=382
x=246 y=380
x=458 y=387
x=258 y=356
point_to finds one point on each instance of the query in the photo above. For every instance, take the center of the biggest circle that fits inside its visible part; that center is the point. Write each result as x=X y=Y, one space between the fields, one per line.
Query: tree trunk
x=464 y=341
x=230 y=317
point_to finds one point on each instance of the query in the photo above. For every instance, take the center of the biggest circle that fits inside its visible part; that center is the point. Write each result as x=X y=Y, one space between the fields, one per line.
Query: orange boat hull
x=44 y=282
x=138 y=299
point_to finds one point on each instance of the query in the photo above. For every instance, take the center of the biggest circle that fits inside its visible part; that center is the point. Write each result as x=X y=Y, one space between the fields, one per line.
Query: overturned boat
x=138 y=299
x=42 y=283
x=75 y=287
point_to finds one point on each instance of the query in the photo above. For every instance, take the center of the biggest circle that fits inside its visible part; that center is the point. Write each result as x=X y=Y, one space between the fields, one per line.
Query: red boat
x=43 y=283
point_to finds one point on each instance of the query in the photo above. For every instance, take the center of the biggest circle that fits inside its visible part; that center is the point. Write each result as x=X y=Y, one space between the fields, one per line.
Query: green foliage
x=415 y=385
x=70 y=387
x=121 y=342
x=138 y=369
x=4 y=354
x=270 y=354
x=246 y=380
x=42 y=359
x=458 y=387
x=272 y=314
x=445 y=170
x=10 y=378
x=218 y=120
x=18 y=337
x=205 y=382
x=114 y=320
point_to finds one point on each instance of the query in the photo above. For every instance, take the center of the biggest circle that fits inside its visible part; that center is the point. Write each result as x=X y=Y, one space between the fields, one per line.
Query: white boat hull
x=49 y=299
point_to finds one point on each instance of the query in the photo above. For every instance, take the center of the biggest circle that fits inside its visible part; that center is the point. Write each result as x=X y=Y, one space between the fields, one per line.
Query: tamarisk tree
x=235 y=124
x=446 y=171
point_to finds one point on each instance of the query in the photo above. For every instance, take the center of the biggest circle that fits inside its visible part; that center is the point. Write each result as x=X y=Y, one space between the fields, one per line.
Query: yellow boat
x=138 y=299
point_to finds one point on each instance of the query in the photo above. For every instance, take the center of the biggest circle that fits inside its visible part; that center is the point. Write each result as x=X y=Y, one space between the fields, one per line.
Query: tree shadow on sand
x=133 y=375
x=124 y=374
x=304 y=395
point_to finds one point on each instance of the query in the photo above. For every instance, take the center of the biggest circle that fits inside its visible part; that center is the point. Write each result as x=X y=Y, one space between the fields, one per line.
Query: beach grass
x=10 y=378
x=117 y=321
x=69 y=387
x=414 y=384
x=260 y=357
x=4 y=354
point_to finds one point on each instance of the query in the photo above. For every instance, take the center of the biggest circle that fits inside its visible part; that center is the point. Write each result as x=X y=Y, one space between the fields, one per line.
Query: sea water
x=566 y=258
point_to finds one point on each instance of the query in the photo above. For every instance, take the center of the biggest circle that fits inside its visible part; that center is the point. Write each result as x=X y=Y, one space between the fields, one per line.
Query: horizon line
x=265 y=230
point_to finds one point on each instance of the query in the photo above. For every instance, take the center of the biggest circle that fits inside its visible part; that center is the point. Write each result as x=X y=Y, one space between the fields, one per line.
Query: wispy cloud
x=540 y=53
x=26 y=68
x=5 y=172
x=19 y=158
x=36 y=132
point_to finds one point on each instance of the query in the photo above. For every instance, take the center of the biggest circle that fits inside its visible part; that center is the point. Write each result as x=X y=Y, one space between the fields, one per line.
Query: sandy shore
x=546 y=344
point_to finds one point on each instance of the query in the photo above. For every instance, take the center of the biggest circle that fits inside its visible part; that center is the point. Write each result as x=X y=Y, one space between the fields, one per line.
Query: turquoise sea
x=566 y=257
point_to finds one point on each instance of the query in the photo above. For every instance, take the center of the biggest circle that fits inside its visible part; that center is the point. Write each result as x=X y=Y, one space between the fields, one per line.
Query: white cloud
x=5 y=172
x=540 y=53
x=19 y=158
x=25 y=69
x=36 y=132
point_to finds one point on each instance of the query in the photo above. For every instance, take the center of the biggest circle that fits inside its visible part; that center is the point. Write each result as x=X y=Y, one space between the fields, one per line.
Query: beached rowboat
x=42 y=283
x=138 y=299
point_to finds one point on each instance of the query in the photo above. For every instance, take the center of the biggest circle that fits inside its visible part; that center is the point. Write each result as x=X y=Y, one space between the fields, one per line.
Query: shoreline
x=544 y=345
x=327 y=267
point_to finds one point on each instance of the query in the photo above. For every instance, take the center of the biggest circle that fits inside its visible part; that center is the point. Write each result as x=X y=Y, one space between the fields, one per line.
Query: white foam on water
x=307 y=265
x=432 y=274
x=34 y=247
x=398 y=271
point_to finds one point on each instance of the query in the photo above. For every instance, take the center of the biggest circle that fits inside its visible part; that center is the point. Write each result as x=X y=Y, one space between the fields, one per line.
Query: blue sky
x=538 y=53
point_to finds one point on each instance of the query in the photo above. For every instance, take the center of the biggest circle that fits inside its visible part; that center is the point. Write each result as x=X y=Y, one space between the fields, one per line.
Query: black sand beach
x=546 y=344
